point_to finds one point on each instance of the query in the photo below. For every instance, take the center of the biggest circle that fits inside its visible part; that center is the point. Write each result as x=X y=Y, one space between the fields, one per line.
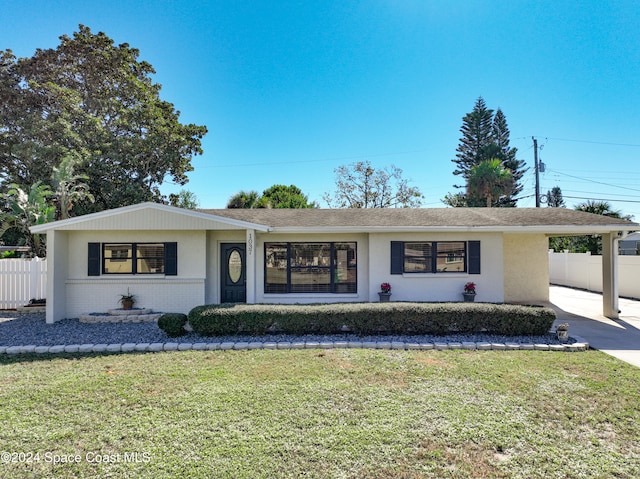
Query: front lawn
x=321 y=413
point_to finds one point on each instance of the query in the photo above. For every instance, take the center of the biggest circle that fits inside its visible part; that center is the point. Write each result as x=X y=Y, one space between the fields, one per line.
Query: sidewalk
x=583 y=311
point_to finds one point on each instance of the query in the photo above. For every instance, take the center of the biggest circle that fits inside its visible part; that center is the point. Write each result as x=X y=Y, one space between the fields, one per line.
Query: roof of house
x=155 y=216
x=547 y=219
x=633 y=237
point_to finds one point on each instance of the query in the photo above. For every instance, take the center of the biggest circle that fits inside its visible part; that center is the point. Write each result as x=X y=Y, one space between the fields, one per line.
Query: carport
x=610 y=248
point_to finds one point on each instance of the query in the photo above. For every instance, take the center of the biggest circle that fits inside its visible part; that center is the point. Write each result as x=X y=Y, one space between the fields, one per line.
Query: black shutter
x=94 y=260
x=474 y=257
x=397 y=257
x=171 y=259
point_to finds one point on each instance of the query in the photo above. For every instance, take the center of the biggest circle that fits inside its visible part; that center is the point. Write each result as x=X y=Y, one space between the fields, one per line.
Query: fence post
x=34 y=273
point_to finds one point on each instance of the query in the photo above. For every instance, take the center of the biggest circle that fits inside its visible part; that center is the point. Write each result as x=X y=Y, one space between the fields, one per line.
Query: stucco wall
x=438 y=286
x=86 y=294
x=526 y=268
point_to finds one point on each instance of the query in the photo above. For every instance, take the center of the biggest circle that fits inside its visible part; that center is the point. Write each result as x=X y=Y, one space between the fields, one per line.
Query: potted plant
x=562 y=331
x=469 y=293
x=127 y=300
x=385 y=292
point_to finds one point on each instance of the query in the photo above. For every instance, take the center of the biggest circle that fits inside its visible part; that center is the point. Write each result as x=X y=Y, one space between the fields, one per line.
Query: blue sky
x=290 y=90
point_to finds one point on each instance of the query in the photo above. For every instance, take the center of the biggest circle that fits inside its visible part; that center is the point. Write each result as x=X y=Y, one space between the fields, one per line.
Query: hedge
x=371 y=318
x=173 y=324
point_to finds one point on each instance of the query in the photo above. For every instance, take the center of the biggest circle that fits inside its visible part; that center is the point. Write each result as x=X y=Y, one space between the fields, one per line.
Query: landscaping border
x=579 y=345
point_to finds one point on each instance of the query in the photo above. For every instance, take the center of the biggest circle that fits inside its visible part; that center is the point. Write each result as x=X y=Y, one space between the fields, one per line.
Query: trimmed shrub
x=371 y=318
x=173 y=324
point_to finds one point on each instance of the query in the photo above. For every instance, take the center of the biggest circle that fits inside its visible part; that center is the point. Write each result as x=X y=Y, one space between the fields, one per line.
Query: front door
x=233 y=287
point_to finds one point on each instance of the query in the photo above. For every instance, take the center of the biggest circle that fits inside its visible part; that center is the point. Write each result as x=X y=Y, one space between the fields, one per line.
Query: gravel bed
x=31 y=329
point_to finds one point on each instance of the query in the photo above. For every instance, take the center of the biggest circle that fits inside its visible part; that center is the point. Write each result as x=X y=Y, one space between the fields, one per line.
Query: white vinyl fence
x=581 y=270
x=22 y=280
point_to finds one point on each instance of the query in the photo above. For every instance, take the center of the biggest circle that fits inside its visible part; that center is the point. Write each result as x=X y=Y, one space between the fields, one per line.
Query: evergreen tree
x=507 y=155
x=554 y=198
x=476 y=135
x=485 y=136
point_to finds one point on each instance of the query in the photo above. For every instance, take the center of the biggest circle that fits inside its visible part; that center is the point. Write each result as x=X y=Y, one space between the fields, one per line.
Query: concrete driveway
x=583 y=311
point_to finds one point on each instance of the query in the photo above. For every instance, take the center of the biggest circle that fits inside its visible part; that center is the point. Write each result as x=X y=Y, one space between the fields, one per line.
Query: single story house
x=173 y=259
x=630 y=245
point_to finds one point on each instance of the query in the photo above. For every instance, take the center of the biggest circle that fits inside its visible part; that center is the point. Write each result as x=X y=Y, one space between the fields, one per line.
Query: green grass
x=324 y=413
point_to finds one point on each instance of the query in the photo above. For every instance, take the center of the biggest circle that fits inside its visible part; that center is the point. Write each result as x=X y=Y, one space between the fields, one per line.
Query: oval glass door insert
x=235 y=266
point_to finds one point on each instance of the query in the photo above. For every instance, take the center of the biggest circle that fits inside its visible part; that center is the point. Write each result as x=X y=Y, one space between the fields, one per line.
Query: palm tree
x=600 y=208
x=244 y=199
x=489 y=179
x=593 y=243
x=29 y=209
x=68 y=188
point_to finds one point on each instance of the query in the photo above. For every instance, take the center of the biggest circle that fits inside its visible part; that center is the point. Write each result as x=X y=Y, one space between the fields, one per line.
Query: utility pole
x=535 y=159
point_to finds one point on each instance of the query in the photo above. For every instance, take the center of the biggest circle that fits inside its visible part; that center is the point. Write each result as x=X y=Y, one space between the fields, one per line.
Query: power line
x=635 y=145
x=594 y=181
x=606 y=194
x=344 y=158
x=595 y=142
x=605 y=171
x=600 y=199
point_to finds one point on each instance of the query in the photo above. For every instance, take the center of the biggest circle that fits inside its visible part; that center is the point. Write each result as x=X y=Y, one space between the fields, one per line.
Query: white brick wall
x=163 y=295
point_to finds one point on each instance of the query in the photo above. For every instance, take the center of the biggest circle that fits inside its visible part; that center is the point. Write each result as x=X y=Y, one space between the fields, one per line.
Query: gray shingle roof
x=423 y=218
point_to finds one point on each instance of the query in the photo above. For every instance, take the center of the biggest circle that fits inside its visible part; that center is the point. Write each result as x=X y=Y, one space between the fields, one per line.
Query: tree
x=554 y=198
x=500 y=149
x=98 y=100
x=485 y=136
x=276 y=196
x=184 y=199
x=68 y=190
x=244 y=199
x=28 y=208
x=456 y=200
x=587 y=243
x=593 y=243
x=600 y=208
x=490 y=180
x=281 y=196
x=359 y=185
x=476 y=136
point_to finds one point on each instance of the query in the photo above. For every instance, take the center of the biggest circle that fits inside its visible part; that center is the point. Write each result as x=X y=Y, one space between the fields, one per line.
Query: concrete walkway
x=583 y=311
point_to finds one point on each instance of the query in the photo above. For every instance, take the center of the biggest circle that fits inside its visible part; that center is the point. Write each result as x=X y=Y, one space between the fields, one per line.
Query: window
x=310 y=268
x=132 y=258
x=435 y=257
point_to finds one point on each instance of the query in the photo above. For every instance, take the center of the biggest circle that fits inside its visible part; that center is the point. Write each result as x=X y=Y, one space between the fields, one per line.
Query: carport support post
x=610 y=275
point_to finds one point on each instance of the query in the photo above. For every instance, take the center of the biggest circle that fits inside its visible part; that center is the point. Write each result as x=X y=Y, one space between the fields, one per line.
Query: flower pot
x=469 y=297
x=384 y=297
x=127 y=304
x=563 y=334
